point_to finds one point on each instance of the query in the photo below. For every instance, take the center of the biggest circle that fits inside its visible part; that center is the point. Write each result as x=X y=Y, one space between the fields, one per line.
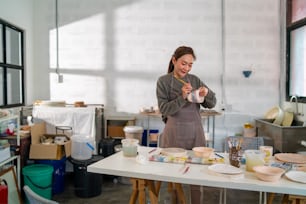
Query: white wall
x=20 y=14
x=110 y=52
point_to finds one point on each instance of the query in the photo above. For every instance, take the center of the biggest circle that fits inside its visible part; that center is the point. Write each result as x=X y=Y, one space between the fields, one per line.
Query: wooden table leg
x=157 y=186
x=285 y=199
x=134 y=195
x=172 y=192
x=270 y=198
x=152 y=192
x=141 y=191
x=180 y=193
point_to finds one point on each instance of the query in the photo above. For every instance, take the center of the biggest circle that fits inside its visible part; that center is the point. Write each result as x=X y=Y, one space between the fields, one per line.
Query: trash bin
x=86 y=184
x=59 y=166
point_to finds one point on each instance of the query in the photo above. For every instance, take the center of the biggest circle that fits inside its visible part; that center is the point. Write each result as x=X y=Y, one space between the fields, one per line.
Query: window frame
x=6 y=66
x=289 y=28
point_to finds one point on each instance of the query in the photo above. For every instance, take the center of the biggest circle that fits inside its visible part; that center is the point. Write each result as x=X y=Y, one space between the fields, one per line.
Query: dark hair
x=179 y=52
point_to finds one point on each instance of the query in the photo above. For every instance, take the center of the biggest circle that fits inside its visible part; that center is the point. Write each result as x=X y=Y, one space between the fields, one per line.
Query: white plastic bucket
x=133 y=132
x=82 y=147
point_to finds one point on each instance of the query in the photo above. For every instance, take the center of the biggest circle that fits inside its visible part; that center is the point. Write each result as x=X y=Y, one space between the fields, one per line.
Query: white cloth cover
x=82 y=120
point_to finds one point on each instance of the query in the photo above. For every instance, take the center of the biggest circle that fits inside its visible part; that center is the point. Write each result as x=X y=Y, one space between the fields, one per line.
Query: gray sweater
x=169 y=94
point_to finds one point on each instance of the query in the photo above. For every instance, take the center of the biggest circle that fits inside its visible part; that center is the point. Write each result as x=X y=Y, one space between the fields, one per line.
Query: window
x=296 y=49
x=11 y=66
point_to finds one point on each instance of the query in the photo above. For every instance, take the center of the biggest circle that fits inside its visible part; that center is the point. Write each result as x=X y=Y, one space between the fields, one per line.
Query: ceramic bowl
x=203 y=151
x=275 y=113
x=268 y=173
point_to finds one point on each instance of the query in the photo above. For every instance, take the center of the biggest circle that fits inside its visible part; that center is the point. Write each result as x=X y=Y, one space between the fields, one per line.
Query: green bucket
x=39 y=178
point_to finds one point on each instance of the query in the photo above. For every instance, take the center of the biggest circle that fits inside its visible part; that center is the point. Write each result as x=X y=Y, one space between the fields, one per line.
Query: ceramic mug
x=194 y=97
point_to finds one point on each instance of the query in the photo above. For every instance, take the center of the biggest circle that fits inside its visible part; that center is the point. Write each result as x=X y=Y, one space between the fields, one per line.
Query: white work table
x=198 y=174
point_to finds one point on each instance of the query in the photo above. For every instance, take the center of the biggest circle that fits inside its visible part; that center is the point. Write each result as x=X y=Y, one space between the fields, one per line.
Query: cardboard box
x=115 y=131
x=47 y=151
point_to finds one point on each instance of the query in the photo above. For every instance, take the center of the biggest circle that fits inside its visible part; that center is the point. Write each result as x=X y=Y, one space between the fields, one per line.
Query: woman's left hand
x=203 y=91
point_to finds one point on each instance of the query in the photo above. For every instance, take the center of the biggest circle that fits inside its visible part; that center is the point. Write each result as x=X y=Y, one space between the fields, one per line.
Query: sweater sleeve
x=165 y=104
x=210 y=99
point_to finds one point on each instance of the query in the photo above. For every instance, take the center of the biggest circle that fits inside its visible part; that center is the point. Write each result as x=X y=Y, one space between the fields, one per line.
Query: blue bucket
x=59 y=166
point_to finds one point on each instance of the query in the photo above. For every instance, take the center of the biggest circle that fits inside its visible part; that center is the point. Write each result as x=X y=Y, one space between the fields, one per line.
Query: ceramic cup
x=194 y=97
x=268 y=151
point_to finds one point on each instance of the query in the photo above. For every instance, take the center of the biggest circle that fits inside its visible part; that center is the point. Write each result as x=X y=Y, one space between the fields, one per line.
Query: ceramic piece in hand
x=194 y=97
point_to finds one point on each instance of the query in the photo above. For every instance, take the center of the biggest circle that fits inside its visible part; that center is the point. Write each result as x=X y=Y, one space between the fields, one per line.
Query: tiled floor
x=118 y=193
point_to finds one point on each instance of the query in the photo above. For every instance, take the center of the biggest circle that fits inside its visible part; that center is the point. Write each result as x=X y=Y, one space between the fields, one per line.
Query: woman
x=183 y=127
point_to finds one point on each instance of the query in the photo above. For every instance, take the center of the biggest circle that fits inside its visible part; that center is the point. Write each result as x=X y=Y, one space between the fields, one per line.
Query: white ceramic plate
x=225 y=169
x=297 y=176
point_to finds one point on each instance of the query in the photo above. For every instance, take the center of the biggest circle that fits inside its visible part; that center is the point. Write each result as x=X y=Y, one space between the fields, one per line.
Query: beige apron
x=184 y=129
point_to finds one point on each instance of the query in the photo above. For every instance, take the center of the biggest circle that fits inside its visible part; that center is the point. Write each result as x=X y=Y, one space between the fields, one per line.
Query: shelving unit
x=115 y=124
x=15 y=157
x=149 y=116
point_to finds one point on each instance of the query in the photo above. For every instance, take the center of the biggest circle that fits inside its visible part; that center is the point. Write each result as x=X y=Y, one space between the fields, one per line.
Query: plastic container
x=254 y=158
x=106 y=147
x=133 y=132
x=129 y=147
x=39 y=178
x=59 y=166
x=82 y=147
x=86 y=184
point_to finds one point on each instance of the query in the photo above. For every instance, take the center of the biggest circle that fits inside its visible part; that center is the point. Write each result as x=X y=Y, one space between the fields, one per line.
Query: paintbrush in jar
x=240 y=143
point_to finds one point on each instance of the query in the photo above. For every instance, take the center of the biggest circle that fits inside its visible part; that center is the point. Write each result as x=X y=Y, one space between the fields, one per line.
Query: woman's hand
x=203 y=91
x=186 y=89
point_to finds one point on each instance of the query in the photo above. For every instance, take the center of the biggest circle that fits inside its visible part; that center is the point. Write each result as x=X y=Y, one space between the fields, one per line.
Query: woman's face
x=182 y=65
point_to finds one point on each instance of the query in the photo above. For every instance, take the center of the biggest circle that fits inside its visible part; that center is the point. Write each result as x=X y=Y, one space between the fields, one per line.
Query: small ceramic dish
x=268 y=173
x=204 y=152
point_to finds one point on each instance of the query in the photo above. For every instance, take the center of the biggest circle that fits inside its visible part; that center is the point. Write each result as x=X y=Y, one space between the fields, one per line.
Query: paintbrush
x=181 y=80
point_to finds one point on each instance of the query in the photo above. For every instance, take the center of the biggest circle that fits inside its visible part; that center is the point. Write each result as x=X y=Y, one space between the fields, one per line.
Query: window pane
x=297 y=62
x=1 y=87
x=14 y=90
x=13 y=46
x=1 y=43
x=298 y=10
